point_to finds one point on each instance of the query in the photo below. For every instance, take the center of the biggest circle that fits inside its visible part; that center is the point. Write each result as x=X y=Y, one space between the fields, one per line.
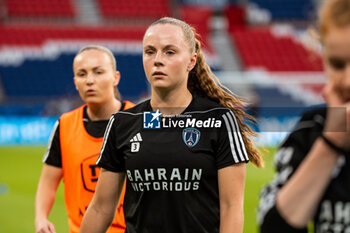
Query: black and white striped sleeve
x=52 y=155
x=231 y=147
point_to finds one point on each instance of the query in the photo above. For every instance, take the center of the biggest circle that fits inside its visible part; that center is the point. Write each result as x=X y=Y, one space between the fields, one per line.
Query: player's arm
x=297 y=202
x=231 y=159
x=298 y=199
x=51 y=176
x=287 y=160
x=290 y=201
x=45 y=197
x=231 y=181
x=102 y=208
x=297 y=164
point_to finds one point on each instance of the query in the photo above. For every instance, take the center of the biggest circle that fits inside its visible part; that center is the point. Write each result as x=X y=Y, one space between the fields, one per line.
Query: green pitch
x=20 y=169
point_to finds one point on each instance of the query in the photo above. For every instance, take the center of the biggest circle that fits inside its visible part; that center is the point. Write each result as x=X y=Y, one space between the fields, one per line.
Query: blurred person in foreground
x=183 y=177
x=77 y=139
x=313 y=180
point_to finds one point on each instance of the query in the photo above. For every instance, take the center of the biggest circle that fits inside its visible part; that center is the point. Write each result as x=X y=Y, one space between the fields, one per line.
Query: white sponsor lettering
x=161 y=173
x=175 y=179
x=342 y=212
x=175 y=174
x=326 y=211
x=149 y=174
x=334 y=217
x=191 y=122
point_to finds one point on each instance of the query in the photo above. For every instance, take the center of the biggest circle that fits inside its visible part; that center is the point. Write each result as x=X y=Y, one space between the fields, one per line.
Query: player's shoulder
x=313 y=117
x=318 y=110
x=305 y=133
x=72 y=112
x=205 y=105
x=135 y=110
x=126 y=104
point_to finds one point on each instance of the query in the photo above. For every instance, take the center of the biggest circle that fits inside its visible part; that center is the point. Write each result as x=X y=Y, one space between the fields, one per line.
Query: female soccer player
x=313 y=180
x=184 y=151
x=77 y=140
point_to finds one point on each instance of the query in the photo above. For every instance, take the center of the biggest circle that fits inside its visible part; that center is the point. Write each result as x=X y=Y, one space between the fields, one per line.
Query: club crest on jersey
x=191 y=136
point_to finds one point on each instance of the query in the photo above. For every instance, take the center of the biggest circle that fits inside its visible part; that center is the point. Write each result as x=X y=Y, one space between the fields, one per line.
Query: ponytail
x=201 y=82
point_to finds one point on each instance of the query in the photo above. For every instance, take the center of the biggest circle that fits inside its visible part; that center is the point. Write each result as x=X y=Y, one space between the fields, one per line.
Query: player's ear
x=116 y=78
x=192 y=62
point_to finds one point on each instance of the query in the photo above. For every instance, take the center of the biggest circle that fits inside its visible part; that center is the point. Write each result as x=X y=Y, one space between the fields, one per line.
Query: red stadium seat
x=260 y=48
x=198 y=17
x=151 y=9
x=235 y=16
x=36 y=35
x=39 y=8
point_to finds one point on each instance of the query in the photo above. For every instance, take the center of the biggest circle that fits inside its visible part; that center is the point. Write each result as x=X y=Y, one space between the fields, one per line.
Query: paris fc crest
x=191 y=136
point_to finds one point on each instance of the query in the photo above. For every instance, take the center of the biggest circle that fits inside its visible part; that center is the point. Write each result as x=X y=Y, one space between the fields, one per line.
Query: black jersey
x=171 y=169
x=333 y=213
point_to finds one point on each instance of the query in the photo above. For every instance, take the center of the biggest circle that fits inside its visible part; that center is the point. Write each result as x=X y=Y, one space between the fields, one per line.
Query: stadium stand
x=261 y=48
x=37 y=78
x=35 y=56
x=198 y=17
x=268 y=98
x=288 y=9
x=135 y=9
x=39 y=8
x=36 y=62
x=258 y=47
x=236 y=16
x=38 y=34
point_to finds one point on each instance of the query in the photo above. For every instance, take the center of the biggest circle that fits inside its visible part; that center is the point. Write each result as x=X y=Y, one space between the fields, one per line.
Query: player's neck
x=98 y=112
x=171 y=102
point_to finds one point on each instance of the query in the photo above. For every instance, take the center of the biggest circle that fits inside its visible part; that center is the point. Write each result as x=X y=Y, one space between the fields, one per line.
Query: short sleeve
x=110 y=157
x=231 y=147
x=53 y=152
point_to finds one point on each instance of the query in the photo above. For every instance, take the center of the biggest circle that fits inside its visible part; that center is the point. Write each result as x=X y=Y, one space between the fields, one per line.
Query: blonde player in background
x=76 y=142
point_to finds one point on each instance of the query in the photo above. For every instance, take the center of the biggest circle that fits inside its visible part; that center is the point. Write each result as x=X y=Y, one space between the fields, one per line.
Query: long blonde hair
x=201 y=82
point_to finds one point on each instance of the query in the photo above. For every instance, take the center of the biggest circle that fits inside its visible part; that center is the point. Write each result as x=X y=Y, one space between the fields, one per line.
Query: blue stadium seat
x=288 y=9
x=38 y=78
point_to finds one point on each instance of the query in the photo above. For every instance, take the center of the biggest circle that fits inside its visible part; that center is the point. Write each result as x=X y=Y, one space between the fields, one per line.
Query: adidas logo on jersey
x=135 y=143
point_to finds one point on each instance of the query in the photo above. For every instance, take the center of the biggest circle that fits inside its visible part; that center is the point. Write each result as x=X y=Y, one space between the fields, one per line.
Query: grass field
x=20 y=169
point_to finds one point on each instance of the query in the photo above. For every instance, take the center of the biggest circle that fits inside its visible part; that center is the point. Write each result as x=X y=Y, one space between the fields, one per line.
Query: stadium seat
x=235 y=16
x=151 y=9
x=38 y=78
x=259 y=48
x=199 y=17
x=288 y=9
x=51 y=77
x=36 y=35
x=40 y=8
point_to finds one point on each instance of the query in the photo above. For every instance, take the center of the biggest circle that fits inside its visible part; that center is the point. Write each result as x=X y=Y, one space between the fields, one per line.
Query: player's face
x=337 y=59
x=167 y=58
x=94 y=76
